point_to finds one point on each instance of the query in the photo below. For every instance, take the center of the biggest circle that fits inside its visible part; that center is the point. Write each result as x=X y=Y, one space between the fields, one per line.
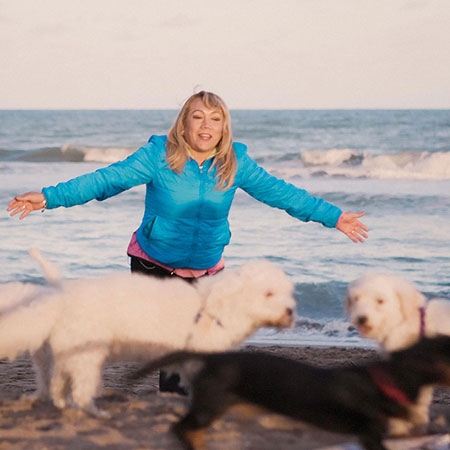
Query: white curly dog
x=396 y=314
x=16 y=295
x=87 y=322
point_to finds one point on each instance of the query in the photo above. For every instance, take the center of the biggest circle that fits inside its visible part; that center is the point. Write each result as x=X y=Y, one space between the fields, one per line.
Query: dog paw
x=399 y=427
x=92 y=410
x=60 y=403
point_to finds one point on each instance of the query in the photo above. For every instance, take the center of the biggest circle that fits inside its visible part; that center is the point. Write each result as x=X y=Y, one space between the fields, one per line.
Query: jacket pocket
x=147 y=229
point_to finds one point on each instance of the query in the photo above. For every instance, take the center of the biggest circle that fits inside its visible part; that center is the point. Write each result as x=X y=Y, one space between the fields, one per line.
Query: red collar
x=422 y=321
x=387 y=386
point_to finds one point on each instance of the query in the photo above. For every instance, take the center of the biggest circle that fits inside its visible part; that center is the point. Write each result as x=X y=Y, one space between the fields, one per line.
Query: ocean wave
x=69 y=153
x=308 y=331
x=350 y=163
x=345 y=163
x=333 y=158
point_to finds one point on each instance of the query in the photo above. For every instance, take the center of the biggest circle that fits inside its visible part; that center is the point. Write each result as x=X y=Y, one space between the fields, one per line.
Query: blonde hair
x=177 y=147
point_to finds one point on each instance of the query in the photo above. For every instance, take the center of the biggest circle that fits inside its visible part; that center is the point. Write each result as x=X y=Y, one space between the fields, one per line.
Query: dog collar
x=197 y=318
x=203 y=312
x=387 y=386
x=422 y=321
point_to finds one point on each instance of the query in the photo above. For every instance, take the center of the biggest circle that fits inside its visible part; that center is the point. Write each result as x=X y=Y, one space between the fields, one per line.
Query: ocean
x=392 y=164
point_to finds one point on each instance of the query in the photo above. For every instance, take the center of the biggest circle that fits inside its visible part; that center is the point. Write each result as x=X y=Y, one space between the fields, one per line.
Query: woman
x=191 y=177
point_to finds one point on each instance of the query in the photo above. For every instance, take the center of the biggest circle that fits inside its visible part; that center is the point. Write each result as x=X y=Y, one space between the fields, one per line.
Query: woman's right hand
x=25 y=203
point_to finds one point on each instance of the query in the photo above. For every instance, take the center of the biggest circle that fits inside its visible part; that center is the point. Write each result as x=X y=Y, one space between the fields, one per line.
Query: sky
x=256 y=54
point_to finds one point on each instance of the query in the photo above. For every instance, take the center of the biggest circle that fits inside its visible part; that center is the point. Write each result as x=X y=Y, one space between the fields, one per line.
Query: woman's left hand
x=349 y=224
x=26 y=203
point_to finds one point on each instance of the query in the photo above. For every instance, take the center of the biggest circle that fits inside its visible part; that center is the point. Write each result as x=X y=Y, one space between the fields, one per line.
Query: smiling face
x=203 y=129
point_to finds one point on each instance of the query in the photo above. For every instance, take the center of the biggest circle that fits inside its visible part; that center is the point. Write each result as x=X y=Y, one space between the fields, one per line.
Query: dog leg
x=399 y=427
x=190 y=433
x=418 y=417
x=420 y=413
x=43 y=366
x=210 y=399
x=59 y=387
x=86 y=372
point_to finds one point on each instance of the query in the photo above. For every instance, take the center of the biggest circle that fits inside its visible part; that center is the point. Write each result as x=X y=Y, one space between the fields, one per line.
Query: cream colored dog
x=393 y=312
x=16 y=295
x=89 y=321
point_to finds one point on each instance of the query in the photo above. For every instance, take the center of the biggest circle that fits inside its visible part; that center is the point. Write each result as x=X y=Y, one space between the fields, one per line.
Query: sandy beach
x=141 y=417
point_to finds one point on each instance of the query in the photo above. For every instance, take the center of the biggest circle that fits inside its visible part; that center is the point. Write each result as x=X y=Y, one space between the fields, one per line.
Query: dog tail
x=167 y=360
x=25 y=327
x=50 y=271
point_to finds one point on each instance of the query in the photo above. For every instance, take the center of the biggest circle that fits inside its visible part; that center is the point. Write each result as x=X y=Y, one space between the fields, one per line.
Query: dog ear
x=347 y=304
x=353 y=289
x=409 y=297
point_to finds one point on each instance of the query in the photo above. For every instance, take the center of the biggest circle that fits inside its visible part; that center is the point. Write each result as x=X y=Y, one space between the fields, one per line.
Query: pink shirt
x=134 y=249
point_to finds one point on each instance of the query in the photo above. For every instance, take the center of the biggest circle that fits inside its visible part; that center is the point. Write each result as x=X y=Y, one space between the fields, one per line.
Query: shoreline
x=313 y=344
x=141 y=416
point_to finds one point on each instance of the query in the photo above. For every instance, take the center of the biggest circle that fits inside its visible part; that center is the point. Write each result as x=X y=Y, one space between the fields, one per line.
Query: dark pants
x=167 y=382
x=148 y=268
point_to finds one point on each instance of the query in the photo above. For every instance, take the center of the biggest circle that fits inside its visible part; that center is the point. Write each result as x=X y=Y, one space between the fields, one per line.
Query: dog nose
x=361 y=320
x=287 y=320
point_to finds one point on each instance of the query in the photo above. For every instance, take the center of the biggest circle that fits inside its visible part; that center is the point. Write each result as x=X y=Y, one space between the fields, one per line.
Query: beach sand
x=141 y=417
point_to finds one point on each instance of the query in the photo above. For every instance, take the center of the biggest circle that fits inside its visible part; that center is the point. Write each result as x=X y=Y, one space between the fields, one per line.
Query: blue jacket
x=185 y=221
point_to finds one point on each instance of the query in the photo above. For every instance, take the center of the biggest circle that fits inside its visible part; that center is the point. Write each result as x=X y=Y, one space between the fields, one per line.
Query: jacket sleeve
x=104 y=183
x=277 y=193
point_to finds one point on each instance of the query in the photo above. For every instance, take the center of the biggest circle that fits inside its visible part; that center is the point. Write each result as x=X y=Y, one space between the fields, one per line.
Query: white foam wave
x=342 y=163
x=352 y=164
x=333 y=157
x=97 y=154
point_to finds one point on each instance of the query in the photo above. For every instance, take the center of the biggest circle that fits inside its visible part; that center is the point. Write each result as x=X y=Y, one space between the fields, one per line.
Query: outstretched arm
x=25 y=203
x=349 y=224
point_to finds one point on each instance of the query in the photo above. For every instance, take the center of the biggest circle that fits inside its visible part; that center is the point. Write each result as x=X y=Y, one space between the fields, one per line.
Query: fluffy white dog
x=89 y=321
x=393 y=312
x=16 y=295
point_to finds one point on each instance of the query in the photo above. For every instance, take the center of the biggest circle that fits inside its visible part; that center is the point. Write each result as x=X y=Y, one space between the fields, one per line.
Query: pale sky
x=281 y=54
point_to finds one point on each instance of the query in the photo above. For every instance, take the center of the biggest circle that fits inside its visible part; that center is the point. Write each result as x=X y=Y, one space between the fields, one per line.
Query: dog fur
x=356 y=399
x=387 y=308
x=131 y=316
x=17 y=294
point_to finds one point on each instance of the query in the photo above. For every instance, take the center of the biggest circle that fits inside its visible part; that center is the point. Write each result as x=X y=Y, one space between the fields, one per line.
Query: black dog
x=358 y=399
